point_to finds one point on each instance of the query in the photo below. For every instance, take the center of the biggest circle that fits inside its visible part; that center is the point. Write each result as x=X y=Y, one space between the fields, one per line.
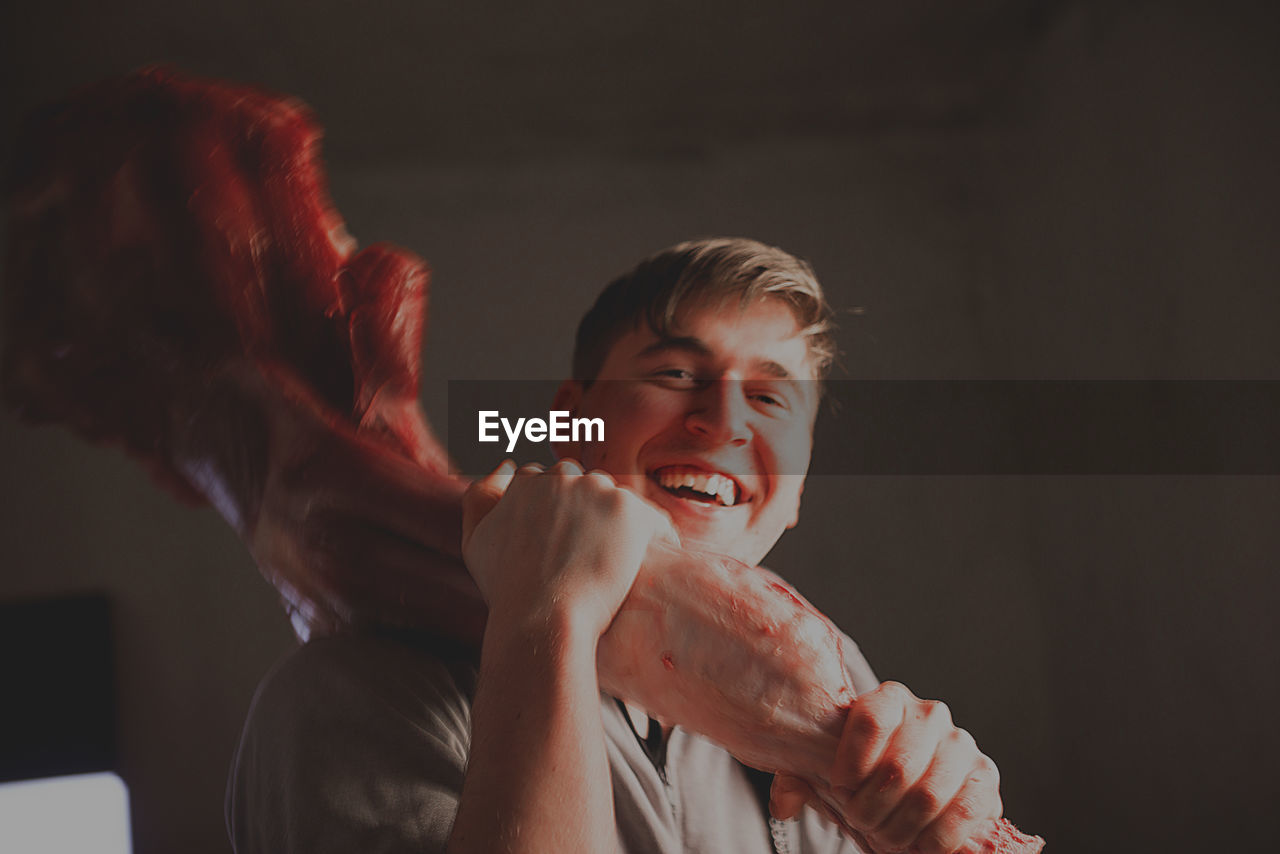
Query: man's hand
x=554 y=554
x=905 y=779
x=557 y=542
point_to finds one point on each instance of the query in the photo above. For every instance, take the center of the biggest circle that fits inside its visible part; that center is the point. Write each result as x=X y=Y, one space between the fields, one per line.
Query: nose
x=720 y=414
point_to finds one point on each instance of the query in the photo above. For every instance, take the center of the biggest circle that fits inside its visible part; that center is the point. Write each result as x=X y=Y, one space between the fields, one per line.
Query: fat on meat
x=179 y=284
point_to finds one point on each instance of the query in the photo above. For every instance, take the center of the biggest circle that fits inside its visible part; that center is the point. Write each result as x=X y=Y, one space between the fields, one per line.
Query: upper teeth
x=708 y=484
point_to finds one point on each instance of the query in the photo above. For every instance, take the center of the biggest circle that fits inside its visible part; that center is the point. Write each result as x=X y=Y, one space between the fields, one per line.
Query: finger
x=483 y=495
x=966 y=821
x=831 y=813
x=905 y=759
x=567 y=466
x=790 y=795
x=602 y=476
x=926 y=800
x=500 y=478
x=529 y=470
x=872 y=720
x=787 y=796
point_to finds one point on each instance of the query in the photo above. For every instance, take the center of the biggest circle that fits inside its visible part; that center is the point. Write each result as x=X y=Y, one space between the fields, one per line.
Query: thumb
x=482 y=496
x=788 y=796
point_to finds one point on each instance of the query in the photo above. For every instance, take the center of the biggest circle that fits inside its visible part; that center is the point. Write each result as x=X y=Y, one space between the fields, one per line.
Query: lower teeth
x=686 y=492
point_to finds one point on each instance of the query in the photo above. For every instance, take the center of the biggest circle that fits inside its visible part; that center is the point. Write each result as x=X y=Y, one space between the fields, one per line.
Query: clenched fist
x=557 y=542
x=905 y=778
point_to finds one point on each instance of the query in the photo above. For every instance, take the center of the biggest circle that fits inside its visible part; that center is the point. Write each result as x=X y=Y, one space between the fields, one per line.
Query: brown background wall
x=1009 y=189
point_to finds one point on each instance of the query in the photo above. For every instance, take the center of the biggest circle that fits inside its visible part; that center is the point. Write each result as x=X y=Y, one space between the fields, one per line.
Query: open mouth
x=698 y=485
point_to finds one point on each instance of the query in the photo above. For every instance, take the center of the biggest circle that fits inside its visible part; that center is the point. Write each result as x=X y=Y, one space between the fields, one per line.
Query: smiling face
x=713 y=423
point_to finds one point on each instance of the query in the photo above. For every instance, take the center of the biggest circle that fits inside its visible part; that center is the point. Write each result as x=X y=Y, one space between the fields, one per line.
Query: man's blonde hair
x=711 y=272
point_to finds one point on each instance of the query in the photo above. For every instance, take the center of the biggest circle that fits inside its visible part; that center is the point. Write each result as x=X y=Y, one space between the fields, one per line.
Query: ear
x=568 y=397
x=795 y=519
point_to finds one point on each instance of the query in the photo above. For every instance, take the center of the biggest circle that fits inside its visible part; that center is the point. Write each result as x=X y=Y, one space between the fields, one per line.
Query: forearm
x=538 y=775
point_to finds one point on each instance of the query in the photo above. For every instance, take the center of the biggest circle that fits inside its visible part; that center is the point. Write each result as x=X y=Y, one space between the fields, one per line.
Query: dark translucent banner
x=937 y=427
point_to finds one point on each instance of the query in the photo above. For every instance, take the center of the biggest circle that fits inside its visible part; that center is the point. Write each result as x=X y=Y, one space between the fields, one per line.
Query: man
x=704 y=364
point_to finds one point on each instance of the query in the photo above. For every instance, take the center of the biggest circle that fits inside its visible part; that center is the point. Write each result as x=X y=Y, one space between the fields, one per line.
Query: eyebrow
x=697 y=347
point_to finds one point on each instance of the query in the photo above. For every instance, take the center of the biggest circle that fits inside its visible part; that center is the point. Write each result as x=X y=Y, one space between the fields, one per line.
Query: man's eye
x=676 y=378
x=769 y=399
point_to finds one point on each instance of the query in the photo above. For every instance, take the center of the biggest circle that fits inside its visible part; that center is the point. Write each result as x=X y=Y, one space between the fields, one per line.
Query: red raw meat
x=180 y=284
x=195 y=228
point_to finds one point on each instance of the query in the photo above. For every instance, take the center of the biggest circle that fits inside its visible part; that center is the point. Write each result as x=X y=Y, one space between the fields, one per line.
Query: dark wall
x=1005 y=190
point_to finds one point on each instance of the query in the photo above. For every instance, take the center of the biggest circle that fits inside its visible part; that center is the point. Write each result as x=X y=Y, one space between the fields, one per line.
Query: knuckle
x=891 y=771
x=614 y=500
x=865 y=725
x=963 y=740
x=987 y=770
x=897 y=693
x=936 y=711
x=921 y=803
x=894 y=689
